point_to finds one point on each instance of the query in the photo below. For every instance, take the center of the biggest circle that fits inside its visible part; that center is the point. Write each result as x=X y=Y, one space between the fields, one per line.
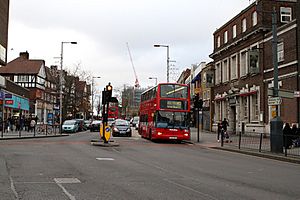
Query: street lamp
x=154 y=78
x=168 y=58
x=93 y=94
x=61 y=84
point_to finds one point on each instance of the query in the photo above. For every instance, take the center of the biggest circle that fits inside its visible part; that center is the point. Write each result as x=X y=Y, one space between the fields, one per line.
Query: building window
x=224 y=110
x=23 y=78
x=244 y=25
x=218 y=41
x=255 y=108
x=254 y=18
x=245 y=108
x=225 y=37
x=218 y=73
x=225 y=71
x=234 y=31
x=233 y=67
x=243 y=63
x=218 y=111
x=285 y=14
x=280 y=52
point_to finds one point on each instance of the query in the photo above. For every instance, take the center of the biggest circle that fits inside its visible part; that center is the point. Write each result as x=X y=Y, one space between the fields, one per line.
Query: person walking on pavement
x=32 y=125
x=225 y=135
x=225 y=124
x=287 y=133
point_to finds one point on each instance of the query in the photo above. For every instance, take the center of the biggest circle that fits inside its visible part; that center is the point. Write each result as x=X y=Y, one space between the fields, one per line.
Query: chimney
x=24 y=55
x=54 y=67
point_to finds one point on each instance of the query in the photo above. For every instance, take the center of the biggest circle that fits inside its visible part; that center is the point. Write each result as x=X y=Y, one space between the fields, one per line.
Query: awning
x=248 y=93
x=220 y=98
x=196 y=78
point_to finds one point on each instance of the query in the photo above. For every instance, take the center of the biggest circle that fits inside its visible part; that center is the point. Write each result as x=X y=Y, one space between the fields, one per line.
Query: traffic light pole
x=198 y=121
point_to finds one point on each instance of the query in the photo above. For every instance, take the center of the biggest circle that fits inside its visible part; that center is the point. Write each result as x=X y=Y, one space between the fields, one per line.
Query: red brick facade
x=241 y=90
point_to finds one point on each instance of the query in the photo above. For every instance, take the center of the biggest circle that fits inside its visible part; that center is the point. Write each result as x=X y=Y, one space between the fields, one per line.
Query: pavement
x=208 y=139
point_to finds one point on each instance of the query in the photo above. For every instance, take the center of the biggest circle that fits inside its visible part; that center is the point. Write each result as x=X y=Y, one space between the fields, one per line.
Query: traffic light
x=108 y=93
x=198 y=103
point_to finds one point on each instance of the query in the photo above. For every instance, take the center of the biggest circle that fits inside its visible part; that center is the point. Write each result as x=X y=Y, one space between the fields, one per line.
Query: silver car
x=70 y=126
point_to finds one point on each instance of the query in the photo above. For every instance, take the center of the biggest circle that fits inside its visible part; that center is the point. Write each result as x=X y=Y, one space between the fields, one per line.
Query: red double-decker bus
x=164 y=112
x=113 y=110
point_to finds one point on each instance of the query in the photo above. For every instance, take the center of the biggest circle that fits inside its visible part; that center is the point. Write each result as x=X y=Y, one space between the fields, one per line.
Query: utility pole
x=276 y=136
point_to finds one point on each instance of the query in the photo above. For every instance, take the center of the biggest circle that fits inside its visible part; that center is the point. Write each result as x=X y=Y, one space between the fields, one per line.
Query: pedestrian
x=219 y=131
x=225 y=124
x=32 y=125
x=287 y=133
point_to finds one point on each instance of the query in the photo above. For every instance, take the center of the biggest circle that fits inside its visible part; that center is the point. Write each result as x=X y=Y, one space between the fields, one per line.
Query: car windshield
x=110 y=119
x=121 y=123
x=171 y=120
x=135 y=119
x=96 y=122
x=69 y=122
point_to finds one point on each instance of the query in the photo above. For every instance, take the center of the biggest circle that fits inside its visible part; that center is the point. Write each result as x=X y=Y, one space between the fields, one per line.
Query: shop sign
x=9 y=102
x=8 y=96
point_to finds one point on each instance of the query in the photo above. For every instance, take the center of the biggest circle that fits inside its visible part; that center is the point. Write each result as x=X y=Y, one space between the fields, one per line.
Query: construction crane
x=137 y=84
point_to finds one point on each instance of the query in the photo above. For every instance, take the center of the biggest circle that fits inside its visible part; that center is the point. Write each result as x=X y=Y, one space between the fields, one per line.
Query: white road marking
x=66 y=180
x=60 y=181
x=190 y=189
x=12 y=186
x=105 y=159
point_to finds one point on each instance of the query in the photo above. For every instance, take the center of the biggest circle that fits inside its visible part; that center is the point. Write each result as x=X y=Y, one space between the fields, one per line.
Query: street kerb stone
x=100 y=142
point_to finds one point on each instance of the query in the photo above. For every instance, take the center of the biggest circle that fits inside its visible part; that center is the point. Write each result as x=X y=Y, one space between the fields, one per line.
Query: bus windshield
x=165 y=119
x=173 y=91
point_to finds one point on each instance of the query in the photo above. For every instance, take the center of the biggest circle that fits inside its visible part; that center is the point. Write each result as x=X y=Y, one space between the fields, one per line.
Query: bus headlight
x=159 y=133
x=186 y=134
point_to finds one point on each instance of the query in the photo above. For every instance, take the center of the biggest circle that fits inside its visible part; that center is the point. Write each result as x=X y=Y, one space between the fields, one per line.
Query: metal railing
x=27 y=131
x=261 y=142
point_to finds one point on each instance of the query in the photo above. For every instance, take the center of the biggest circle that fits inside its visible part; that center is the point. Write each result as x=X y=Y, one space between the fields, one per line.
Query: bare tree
x=77 y=92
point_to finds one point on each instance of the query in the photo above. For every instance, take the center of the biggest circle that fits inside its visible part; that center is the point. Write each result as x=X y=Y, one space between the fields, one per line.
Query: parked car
x=70 y=126
x=95 y=125
x=135 y=122
x=121 y=128
x=81 y=125
x=110 y=121
x=87 y=123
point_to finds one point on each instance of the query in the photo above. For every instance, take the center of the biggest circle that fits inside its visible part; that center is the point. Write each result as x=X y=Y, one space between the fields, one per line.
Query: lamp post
x=168 y=58
x=154 y=78
x=93 y=94
x=61 y=84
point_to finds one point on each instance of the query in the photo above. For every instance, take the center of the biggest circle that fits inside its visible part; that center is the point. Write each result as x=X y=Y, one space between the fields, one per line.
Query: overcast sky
x=102 y=28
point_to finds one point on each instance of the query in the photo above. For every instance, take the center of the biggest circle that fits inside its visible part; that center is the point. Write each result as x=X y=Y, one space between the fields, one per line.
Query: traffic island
x=100 y=142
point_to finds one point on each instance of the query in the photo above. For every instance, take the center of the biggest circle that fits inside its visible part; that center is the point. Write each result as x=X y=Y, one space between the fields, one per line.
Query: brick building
x=243 y=65
x=4 y=15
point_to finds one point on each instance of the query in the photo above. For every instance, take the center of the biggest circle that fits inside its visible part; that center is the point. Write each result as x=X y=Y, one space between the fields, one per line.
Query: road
x=70 y=167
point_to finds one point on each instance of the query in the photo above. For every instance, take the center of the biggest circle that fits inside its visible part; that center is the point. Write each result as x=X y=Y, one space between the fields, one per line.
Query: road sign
x=282 y=93
x=296 y=93
x=272 y=101
x=107 y=130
